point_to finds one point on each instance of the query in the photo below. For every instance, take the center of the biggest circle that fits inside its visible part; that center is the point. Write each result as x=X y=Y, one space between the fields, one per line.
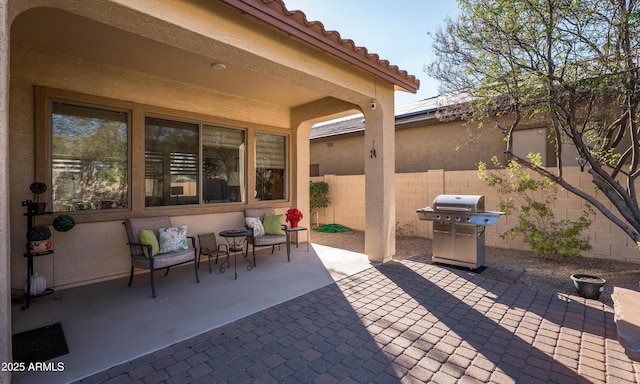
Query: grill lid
x=459 y=209
x=459 y=203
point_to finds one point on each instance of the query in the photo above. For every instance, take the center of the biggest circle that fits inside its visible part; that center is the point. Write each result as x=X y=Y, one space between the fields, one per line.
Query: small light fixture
x=374 y=103
x=218 y=66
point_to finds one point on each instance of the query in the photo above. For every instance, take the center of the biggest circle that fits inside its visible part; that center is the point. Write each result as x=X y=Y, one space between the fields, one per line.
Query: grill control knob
x=458 y=218
x=448 y=218
x=438 y=217
x=468 y=219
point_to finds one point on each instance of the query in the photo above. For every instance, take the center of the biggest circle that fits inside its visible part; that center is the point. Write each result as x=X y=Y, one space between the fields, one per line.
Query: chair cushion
x=255 y=224
x=270 y=240
x=272 y=224
x=134 y=225
x=163 y=260
x=258 y=212
x=148 y=237
x=173 y=238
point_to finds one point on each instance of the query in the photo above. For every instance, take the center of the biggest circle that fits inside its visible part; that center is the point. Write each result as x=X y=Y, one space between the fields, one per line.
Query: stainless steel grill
x=459 y=223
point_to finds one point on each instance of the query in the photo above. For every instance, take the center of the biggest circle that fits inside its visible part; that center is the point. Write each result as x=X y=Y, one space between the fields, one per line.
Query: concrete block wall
x=347 y=201
x=417 y=190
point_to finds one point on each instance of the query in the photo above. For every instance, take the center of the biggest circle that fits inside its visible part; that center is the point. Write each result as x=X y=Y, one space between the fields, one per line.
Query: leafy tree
x=318 y=195
x=573 y=64
x=531 y=200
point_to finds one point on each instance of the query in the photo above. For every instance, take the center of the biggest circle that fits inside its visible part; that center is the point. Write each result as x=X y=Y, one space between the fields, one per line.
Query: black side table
x=234 y=246
x=298 y=229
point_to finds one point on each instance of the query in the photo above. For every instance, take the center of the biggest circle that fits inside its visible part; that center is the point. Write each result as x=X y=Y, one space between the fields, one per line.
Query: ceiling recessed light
x=218 y=66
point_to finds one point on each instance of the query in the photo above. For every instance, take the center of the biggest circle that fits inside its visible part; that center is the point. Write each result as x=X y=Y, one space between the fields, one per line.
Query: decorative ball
x=63 y=223
x=38 y=187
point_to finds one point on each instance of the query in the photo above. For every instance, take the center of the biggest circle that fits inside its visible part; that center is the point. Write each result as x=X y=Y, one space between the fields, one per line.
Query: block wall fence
x=417 y=190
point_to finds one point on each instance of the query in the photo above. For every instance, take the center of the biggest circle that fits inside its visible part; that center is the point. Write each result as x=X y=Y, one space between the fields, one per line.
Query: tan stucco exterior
x=154 y=57
x=452 y=145
x=343 y=155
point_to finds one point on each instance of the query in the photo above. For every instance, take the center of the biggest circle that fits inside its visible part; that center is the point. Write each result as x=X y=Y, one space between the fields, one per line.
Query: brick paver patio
x=402 y=322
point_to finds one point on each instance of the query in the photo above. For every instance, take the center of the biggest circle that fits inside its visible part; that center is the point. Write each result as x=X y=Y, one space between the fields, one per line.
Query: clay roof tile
x=295 y=23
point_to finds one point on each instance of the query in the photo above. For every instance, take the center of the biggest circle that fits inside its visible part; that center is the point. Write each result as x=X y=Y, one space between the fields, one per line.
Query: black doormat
x=39 y=345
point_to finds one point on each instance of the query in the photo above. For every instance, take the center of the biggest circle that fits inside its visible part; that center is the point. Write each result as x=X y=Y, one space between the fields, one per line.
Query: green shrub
x=318 y=195
x=531 y=201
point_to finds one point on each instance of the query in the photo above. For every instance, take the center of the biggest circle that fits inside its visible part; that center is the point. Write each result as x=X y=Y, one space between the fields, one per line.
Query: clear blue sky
x=397 y=30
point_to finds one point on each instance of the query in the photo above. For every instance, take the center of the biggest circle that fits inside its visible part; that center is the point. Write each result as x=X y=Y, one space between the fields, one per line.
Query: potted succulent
x=38 y=188
x=39 y=237
x=294 y=216
x=63 y=223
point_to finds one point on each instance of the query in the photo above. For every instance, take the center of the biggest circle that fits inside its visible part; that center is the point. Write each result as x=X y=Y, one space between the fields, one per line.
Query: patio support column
x=301 y=148
x=5 y=241
x=379 y=172
x=302 y=119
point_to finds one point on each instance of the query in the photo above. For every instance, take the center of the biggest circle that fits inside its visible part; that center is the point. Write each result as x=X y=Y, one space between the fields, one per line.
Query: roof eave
x=295 y=24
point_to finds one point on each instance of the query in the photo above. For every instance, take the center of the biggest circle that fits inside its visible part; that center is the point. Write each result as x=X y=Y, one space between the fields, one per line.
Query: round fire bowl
x=589 y=287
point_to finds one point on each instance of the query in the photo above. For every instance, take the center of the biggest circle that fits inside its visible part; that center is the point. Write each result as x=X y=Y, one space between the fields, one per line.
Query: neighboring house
x=192 y=109
x=424 y=141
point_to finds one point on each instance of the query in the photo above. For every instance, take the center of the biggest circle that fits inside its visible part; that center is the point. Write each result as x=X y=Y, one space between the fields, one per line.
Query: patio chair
x=143 y=254
x=266 y=239
x=209 y=247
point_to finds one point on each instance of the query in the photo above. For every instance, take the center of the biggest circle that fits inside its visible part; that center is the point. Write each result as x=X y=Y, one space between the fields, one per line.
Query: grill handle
x=441 y=231
x=453 y=209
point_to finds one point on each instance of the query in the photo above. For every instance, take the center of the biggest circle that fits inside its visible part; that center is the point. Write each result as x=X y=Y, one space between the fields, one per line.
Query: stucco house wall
x=338 y=156
x=95 y=251
x=451 y=145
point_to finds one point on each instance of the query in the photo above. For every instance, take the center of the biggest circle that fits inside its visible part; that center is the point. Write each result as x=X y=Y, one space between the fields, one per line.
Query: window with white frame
x=89 y=157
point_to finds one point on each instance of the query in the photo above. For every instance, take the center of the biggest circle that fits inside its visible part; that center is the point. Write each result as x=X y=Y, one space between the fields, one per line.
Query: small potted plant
x=294 y=216
x=39 y=237
x=38 y=188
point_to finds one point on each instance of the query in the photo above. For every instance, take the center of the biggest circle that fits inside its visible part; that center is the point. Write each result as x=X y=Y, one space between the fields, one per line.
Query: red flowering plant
x=294 y=216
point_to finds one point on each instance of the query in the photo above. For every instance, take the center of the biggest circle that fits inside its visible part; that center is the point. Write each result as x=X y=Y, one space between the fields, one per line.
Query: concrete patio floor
x=108 y=323
x=407 y=321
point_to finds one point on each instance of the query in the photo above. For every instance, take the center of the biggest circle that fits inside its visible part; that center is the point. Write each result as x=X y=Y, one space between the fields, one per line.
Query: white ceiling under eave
x=60 y=31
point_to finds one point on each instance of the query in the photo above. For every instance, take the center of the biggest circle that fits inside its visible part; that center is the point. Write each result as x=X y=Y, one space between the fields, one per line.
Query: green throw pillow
x=149 y=238
x=272 y=224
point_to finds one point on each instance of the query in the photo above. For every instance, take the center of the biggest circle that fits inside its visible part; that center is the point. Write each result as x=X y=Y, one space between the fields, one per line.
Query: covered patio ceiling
x=57 y=30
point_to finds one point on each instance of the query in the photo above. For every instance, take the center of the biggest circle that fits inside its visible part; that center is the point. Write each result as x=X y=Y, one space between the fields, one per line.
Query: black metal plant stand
x=31 y=214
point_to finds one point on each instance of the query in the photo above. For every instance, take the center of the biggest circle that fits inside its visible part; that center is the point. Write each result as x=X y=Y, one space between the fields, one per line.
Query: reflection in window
x=171 y=162
x=223 y=165
x=270 y=167
x=89 y=158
